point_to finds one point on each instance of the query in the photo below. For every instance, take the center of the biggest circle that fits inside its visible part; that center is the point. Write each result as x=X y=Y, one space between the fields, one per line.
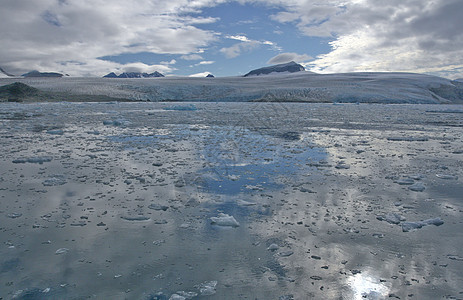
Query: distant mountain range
x=133 y=75
x=290 y=67
x=42 y=74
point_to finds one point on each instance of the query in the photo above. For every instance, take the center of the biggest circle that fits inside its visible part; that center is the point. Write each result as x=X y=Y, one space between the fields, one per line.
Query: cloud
x=68 y=36
x=246 y=45
x=241 y=38
x=141 y=67
x=398 y=35
x=237 y=49
x=287 y=57
x=46 y=33
x=191 y=57
x=171 y=62
x=206 y=62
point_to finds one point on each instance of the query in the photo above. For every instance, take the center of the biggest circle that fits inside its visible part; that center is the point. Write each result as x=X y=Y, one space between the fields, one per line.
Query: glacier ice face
x=279 y=87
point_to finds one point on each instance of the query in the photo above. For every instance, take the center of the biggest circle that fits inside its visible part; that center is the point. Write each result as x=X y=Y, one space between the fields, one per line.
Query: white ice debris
x=61 y=251
x=54 y=180
x=224 y=220
x=208 y=288
x=33 y=160
x=116 y=123
x=273 y=247
x=447 y=176
x=245 y=203
x=408 y=226
x=14 y=215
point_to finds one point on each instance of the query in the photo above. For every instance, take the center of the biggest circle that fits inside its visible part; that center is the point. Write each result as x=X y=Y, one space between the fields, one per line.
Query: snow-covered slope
x=286 y=68
x=299 y=86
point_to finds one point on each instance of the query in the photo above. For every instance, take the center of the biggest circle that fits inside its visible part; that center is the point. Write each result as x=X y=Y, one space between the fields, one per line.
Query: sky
x=230 y=38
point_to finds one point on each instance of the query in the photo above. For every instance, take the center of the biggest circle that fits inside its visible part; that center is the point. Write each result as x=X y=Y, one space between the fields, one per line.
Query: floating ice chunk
x=156 y=206
x=434 y=221
x=176 y=297
x=62 y=251
x=273 y=247
x=394 y=218
x=160 y=222
x=224 y=220
x=14 y=215
x=245 y=203
x=408 y=226
x=55 y=131
x=54 y=180
x=447 y=176
x=208 y=288
x=405 y=181
x=417 y=176
x=136 y=218
x=187 y=295
x=34 y=160
x=417 y=187
x=286 y=253
x=342 y=165
x=116 y=123
x=454 y=257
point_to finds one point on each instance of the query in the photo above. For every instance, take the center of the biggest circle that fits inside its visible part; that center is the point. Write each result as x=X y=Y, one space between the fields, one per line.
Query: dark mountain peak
x=6 y=73
x=110 y=75
x=290 y=67
x=36 y=73
x=134 y=75
x=210 y=76
x=17 y=91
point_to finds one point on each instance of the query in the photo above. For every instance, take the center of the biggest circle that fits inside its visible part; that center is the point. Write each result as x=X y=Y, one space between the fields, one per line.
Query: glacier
x=359 y=87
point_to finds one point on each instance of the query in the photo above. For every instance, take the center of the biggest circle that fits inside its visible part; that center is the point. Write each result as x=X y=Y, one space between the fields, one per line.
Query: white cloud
x=69 y=36
x=191 y=57
x=246 y=45
x=287 y=57
x=206 y=62
x=46 y=33
x=171 y=62
x=141 y=67
x=241 y=38
x=237 y=49
x=397 y=35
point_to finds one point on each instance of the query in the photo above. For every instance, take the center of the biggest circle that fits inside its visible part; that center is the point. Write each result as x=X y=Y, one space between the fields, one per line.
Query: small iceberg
x=224 y=220
x=408 y=226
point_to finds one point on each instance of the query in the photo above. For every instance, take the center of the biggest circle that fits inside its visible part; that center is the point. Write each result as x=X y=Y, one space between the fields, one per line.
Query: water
x=131 y=201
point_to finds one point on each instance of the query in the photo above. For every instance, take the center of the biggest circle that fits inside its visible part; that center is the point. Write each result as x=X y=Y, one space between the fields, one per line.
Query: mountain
x=4 y=74
x=133 y=75
x=210 y=76
x=290 y=67
x=42 y=74
x=17 y=92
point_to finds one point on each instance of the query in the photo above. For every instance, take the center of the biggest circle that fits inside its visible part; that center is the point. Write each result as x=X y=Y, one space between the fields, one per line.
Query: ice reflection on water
x=311 y=180
x=368 y=287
